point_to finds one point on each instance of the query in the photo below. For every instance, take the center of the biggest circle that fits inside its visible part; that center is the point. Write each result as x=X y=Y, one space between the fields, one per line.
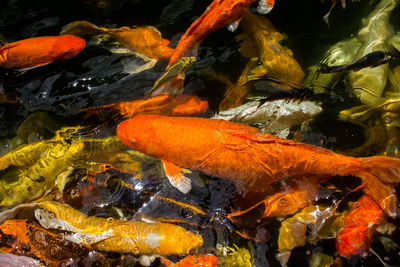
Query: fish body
x=359 y=227
x=340 y=53
x=262 y=41
x=217 y=15
x=254 y=161
x=290 y=199
x=182 y=105
x=118 y=236
x=38 y=51
x=372 y=59
x=143 y=40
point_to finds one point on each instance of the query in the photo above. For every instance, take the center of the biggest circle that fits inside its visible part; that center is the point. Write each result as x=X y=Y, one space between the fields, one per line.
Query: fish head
x=68 y=46
x=286 y=203
x=364 y=211
x=139 y=133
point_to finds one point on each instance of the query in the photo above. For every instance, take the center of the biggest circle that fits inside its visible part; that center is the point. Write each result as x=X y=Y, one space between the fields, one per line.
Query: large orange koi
x=38 y=51
x=254 y=161
x=218 y=14
x=359 y=227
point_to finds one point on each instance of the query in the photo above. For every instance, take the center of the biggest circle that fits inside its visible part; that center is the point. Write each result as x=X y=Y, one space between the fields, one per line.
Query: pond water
x=49 y=97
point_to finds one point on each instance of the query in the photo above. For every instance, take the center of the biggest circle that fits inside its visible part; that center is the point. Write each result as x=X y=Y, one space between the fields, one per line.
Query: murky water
x=97 y=76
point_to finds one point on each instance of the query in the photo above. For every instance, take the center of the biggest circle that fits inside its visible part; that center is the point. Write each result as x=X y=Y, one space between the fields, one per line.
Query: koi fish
x=295 y=195
x=359 y=227
x=254 y=161
x=143 y=40
x=198 y=260
x=342 y=52
x=47 y=162
x=372 y=59
x=261 y=40
x=39 y=51
x=183 y=105
x=218 y=14
x=118 y=236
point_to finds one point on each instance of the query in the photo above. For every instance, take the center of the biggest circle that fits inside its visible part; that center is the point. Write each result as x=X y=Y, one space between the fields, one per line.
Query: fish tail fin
x=82 y=28
x=381 y=174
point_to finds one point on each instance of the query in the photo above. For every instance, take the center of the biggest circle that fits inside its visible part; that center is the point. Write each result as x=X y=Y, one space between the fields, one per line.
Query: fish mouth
x=122 y=134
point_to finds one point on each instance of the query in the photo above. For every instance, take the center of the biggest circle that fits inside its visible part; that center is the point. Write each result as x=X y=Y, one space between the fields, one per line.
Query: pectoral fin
x=176 y=176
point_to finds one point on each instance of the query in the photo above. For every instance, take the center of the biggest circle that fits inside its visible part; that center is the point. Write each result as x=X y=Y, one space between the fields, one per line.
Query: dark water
x=97 y=77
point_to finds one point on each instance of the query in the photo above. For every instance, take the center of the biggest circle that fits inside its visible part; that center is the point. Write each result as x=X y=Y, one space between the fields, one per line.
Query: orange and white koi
x=118 y=236
x=359 y=227
x=254 y=161
x=38 y=51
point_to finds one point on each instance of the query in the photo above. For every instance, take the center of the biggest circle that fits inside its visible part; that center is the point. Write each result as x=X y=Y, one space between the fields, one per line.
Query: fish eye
x=283 y=201
x=356 y=205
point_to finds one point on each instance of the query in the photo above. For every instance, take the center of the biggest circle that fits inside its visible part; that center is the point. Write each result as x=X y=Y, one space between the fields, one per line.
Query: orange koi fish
x=262 y=40
x=218 y=14
x=183 y=105
x=38 y=51
x=143 y=40
x=296 y=194
x=359 y=227
x=193 y=261
x=254 y=161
